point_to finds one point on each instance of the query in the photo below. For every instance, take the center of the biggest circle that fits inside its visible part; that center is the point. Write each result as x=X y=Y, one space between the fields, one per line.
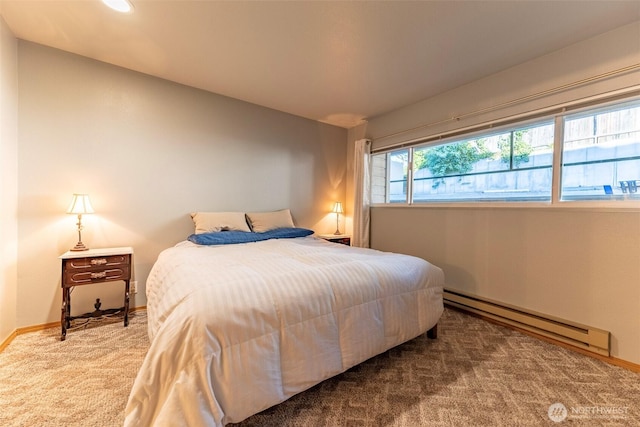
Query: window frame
x=593 y=112
x=556 y=202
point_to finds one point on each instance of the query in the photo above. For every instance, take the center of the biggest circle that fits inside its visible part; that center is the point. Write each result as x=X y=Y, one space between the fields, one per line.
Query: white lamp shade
x=337 y=208
x=80 y=204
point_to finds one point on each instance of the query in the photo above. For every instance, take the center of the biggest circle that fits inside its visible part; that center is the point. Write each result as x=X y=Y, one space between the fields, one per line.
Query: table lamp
x=80 y=205
x=337 y=209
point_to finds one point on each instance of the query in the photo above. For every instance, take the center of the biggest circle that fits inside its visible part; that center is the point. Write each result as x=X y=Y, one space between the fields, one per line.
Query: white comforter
x=236 y=329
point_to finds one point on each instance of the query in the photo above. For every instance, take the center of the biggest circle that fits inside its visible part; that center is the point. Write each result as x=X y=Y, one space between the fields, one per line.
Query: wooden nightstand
x=343 y=239
x=89 y=267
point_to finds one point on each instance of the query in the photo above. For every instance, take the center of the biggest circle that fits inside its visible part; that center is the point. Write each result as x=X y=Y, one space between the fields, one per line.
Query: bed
x=238 y=328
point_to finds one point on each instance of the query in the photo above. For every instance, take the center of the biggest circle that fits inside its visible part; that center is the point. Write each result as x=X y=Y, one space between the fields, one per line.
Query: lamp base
x=79 y=247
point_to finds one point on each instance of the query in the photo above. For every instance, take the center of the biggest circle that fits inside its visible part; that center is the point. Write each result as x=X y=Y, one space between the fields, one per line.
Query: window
x=514 y=164
x=601 y=154
x=389 y=177
x=599 y=151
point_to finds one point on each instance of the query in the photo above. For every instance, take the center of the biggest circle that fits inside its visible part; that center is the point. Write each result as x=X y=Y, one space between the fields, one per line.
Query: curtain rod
x=518 y=100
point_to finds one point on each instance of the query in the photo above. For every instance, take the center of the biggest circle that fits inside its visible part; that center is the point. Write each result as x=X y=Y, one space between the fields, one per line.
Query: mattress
x=236 y=329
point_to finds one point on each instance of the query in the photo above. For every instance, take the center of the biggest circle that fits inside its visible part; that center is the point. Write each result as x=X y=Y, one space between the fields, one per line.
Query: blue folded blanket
x=233 y=236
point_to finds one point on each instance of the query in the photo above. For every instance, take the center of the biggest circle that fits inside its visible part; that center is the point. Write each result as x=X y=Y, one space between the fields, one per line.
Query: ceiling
x=334 y=62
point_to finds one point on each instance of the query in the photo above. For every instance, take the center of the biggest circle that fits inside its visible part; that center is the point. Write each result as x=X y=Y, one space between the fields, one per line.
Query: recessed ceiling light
x=123 y=6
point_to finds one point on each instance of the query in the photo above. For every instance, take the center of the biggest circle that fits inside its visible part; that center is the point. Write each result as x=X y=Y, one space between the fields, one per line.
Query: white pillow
x=207 y=222
x=264 y=221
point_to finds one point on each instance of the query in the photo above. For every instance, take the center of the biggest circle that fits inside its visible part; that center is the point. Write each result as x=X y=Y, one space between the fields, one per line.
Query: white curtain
x=362 y=193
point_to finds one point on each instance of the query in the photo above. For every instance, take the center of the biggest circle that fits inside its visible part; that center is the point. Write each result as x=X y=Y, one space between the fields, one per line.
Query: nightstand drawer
x=337 y=238
x=96 y=262
x=342 y=240
x=74 y=277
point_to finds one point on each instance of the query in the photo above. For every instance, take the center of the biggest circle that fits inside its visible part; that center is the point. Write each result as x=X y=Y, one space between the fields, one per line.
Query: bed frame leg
x=433 y=332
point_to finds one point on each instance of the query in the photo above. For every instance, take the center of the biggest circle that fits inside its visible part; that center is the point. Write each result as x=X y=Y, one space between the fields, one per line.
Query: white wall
x=8 y=180
x=149 y=152
x=600 y=55
x=577 y=264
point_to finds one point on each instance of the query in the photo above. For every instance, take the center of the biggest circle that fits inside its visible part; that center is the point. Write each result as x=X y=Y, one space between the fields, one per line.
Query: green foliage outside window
x=521 y=148
x=458 y=159
x=451 y=159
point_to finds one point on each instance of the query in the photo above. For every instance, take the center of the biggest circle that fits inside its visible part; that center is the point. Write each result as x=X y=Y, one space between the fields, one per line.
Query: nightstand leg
x=64 y=313
x=68 y=304
x=126 y=303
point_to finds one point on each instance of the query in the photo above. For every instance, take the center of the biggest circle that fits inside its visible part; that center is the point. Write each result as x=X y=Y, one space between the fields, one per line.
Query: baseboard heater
x=585 y=337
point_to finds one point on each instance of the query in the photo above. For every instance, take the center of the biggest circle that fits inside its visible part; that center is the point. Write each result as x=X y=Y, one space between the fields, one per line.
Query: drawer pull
x=99 y=275
x=100 y=261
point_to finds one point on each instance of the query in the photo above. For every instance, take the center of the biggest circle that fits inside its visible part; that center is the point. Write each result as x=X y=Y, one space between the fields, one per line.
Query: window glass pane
x=601 y=154
x=397 y=169
x=379 y=178
x=511 y=165
x=389 y=177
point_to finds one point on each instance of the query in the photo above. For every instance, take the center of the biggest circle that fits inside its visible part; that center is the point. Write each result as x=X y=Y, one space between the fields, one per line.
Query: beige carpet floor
x=475 y=374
